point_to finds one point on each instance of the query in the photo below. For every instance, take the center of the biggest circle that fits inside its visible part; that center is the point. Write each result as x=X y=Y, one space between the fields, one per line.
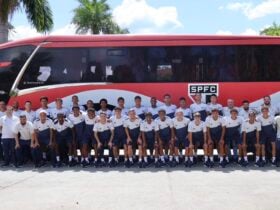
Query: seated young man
x=43 y=128
x=166 y=137
x=104 y=134
x=119 y=140
x=149 y=133
x=63 y=137
x=250 y=140
x=180 y=123
x=198 y=137
x=132 y=130
x=268 y=134
x=215 y=133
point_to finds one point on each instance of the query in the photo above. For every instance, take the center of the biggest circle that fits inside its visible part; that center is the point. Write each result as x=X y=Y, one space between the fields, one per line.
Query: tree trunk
x=4 y=31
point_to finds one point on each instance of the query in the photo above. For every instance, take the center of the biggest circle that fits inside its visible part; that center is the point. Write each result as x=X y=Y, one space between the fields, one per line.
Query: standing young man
x=198 y=106
x=244 y=110
x=29 y=113
x=183 y=106
x=168 y=106
x=214 y=105
x=59 y=109
x=153 y=108
x=103 y=108
x=138 y=108
x=229 y=107
x=7 y=124
x=75 y=102
x=44 y=106
x=121 y=104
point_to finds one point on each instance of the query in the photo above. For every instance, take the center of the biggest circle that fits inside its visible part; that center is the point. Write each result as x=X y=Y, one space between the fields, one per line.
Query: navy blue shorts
x=233 y=136
x=165 y=135
x=119 y=136
x=44 y=137
x=150 y=139
x=267 y=134
x=181 y=137
x=64 y=137
x=134 y=135
x=198 y=138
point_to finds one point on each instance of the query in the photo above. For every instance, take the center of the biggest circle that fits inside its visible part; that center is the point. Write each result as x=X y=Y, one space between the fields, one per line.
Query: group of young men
x=160 y=135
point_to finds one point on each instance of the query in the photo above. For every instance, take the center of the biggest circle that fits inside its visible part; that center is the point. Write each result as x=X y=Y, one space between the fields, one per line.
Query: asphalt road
x=120 y=188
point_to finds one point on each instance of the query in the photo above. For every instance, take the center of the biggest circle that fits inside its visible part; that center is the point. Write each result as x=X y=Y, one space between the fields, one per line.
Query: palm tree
x=38 y=13
x=273 y=30
x=94 y=16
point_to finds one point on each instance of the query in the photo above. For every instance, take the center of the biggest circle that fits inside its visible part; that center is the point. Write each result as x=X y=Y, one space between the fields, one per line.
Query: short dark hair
x=214 y=95
x=166 y=95
x=182 y=99
x=137 y=97
x=44 y=98
x=120 y=99
x=103 y=100
x=245 y=101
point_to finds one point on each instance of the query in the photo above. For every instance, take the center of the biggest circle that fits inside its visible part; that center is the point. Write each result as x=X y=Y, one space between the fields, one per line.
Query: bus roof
x=153 y=40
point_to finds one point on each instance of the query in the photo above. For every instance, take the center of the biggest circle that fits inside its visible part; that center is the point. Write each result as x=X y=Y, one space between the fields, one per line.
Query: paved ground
x=119 y=188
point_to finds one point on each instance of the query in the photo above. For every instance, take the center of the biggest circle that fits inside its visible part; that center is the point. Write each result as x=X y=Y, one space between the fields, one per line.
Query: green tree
x=38 y=14
x=273 y=30
x=94 y=16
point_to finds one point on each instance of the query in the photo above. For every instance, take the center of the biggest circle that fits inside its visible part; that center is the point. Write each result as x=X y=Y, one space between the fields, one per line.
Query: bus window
x=11 y=61
x=55 y=66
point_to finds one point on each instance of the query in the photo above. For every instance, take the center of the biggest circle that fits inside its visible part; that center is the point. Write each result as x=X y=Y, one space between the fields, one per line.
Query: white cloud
x=223 y=32
x=266 y=7
x=250 y=31
x=22 y=31
x=149 y=19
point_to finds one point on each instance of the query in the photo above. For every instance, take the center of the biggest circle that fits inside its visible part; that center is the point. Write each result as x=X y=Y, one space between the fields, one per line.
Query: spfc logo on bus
x=206 y=90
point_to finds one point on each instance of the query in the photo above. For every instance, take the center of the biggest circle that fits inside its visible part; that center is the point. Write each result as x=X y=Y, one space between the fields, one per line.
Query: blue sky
x=246 y=17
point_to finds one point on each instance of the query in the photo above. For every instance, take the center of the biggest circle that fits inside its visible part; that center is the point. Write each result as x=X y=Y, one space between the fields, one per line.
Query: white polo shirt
x=30 y=116
x=248 y=127
x=25 y=131
x=277 y=121
x=8 y=124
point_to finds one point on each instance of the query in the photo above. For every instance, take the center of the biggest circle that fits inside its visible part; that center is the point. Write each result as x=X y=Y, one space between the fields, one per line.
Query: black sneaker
x=245 y=163
x=5 y=165
x=145 y=164
x=258 y=164
x=240 y=162
x=211 y=164
x=186 y=163
x=157 y=164
x=190 y=163
x=59 y=164
x=85 y=164
x=263 y=162
x=206 y=163
x=274 y=163
x=223 y=164
x=72 y=163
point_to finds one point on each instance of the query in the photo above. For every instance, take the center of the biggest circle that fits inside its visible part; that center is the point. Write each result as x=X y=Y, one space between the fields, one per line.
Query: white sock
x=57 y=158
x=156 y=159
x=191 y=158
x=130 y=159
x=273 y=159
x=263 y=158
x=221 y=159
x=205 y=157
x=82 y=159
x=70 y=158
x=177 y=158
x=146 y=159
x=110 y=159
x=239 y=158
x=44 y=155
x=125 y=159
x=170 y=158
x=211 y=158
x=186 y=158
x=257 y=158
x=117 y=159
x=86 y=159
x=245 y=158
x=227 y=158
x=102 y=160
x=140 y=160
x=162 y=158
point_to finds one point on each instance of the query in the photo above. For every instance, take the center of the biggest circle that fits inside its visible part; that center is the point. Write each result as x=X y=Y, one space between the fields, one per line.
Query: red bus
x=109 y=66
